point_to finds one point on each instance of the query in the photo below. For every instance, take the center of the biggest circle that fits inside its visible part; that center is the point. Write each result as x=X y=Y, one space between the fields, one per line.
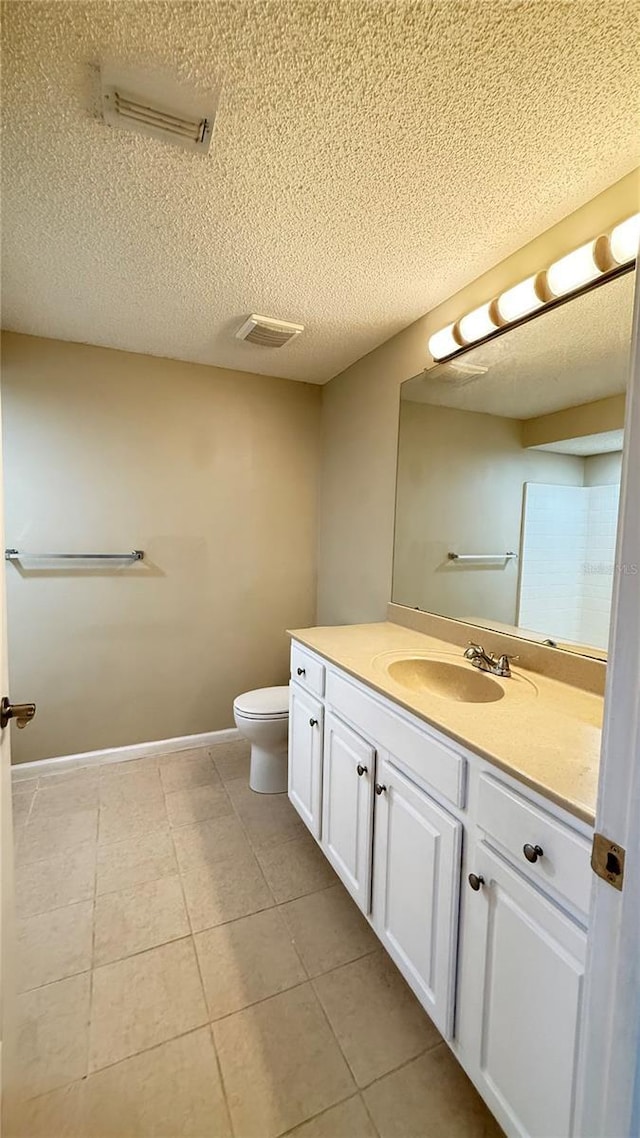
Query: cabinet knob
x=361 y=770
x=302 y=671
x=532 y=853
x=380 y=788
x=313 y=722
x=475 y=881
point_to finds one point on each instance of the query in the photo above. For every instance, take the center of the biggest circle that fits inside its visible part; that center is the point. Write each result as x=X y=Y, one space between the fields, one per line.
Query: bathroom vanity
x=461 y=826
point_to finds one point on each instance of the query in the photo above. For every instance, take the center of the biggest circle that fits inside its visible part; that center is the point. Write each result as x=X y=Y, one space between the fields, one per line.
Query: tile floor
x=190 y=967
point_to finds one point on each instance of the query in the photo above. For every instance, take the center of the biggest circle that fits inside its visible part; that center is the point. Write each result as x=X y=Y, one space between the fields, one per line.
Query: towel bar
x=16 y=555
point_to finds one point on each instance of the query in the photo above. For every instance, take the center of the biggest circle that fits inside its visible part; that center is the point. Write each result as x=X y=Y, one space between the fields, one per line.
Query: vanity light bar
x=578 y=268
x=522 y=299
x=599 y=257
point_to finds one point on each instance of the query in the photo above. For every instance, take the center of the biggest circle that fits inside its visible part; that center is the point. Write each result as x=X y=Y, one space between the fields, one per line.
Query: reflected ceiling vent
x=268 y=333
x=156 y=105
x=459 y=372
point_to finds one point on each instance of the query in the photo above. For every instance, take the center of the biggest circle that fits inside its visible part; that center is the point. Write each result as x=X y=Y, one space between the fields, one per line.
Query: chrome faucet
x=487 y=662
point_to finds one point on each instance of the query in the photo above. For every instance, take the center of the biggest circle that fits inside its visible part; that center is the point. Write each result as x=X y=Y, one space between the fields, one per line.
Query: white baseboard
x=125 y=754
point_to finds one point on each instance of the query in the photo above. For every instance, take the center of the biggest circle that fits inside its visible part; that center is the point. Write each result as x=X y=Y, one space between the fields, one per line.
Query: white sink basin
x=459 y=682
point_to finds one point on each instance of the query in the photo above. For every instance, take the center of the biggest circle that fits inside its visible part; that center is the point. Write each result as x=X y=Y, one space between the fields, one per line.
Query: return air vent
x=133 y=113
x=268 y=333
x=155 y=104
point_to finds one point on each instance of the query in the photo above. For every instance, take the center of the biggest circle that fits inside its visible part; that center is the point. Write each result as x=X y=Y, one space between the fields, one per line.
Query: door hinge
x=607 y=860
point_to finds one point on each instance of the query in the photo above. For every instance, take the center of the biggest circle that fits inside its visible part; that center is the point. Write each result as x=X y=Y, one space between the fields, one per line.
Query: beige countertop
x=544 y=732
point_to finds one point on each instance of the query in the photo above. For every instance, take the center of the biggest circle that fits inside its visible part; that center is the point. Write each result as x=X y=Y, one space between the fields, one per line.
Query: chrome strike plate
x=607 y=860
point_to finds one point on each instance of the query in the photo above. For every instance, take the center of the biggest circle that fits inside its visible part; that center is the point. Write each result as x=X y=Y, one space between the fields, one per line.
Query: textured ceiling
x=575 y=353
x=369 y=159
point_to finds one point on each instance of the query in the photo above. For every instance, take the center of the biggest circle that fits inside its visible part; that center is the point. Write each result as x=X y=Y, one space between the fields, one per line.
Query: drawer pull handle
x=313 y=722
x=380 y=788
x=361 y=770
x=475 y=882
x=532 y=853
x=302 y=671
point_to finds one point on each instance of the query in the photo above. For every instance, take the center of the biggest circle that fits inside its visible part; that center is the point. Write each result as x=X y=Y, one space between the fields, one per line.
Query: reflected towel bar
x=132 y=555
x=481 y=558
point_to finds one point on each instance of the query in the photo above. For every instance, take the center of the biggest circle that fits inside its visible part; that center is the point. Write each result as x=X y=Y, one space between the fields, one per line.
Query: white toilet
x=262 y=716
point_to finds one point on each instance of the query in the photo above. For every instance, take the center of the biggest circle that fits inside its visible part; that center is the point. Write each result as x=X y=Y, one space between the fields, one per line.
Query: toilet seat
x=263 y=703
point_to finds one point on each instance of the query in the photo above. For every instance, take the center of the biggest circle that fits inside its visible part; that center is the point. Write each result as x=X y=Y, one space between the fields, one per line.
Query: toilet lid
x=264 y=703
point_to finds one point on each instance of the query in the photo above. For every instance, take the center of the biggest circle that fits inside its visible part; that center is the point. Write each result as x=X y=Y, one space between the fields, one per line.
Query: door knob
x=532 y=853
x=313 y=722
x=380 y=788
x=475 y=881
x=23 y=713
x=360 y=769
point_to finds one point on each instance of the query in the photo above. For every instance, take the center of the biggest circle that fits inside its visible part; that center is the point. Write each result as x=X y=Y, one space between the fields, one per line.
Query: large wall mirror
x=509 y=475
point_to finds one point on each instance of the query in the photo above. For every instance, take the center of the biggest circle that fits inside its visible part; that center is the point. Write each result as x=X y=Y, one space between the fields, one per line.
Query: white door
x=609 y=1084
x=416 y=885
x=522 y=995
x=6 y=833
x=305 y=756
x=347 y=807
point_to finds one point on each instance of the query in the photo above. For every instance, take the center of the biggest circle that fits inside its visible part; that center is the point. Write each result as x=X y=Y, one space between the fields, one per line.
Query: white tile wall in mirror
x=515 y=447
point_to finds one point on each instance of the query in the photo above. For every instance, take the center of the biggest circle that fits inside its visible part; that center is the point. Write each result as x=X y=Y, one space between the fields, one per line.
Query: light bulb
x=477 y=324
x=624 y=239
x=574 y=270
x=443 y=343
x=519 y=300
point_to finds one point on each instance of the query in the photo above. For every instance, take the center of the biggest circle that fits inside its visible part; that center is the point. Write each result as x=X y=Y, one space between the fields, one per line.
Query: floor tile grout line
x=188 y=915
x=333 y=1033
x=223 y=1086
x=392 y=1070
x=50 y=983
x=368 y=1112
x=325 y=1110
x=254 y=847
x=311 y=893
x=125 y=1059
x=247 y=835
x=108 y=963
x=365 y=1086
x=263 y=1000
x=202 y=983
x=401 y=1066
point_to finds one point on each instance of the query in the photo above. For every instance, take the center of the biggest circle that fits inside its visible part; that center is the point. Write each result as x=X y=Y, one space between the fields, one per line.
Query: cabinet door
x=522 y=996
x=416 y=884
x=348 y=773
x=305 y=756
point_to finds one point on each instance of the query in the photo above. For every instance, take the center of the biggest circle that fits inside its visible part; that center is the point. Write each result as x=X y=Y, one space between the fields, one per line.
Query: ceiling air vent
x=134 y=113
x=157 y=105
x=268 y=333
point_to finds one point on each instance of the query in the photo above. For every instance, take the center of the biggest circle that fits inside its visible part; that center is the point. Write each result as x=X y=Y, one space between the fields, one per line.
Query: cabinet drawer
x=307 y=671
x=513 y=823
x=413 y=748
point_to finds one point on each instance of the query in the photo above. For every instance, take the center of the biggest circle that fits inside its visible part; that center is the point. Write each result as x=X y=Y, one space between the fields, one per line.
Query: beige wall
x=575 y=422
x=471 y=505
x=603 y=469
x=214 y=474
x=360 y=422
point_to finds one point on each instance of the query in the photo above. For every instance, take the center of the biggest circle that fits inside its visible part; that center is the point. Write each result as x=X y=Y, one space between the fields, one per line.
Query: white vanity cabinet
x=477 y=887
x=347 y=807
x=306 y=715
x=521 y=996
x=416 y=878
